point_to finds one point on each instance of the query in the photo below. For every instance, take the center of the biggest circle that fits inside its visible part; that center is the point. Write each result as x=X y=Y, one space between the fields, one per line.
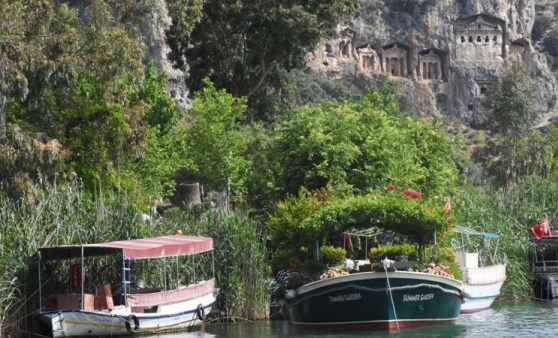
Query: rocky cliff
x=154 y=29
x=444 y=55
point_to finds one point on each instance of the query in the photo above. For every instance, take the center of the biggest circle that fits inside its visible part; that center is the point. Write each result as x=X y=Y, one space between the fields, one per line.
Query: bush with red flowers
x=415 y=195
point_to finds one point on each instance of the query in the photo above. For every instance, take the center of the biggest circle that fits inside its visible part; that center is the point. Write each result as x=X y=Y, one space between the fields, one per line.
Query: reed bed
x=510 y=213
x=241 y=260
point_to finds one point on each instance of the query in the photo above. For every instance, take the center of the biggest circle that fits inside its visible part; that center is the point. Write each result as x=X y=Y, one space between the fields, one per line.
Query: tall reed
x=510 y=212
x=57 y=214
x=241 y=259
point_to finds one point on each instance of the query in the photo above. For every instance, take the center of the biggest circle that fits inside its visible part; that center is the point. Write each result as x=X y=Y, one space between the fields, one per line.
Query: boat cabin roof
x=469 y=231
x=145 y=248
x=551 y=240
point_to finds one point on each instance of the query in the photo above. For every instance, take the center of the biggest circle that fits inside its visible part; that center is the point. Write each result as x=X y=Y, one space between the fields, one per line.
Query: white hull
x=121 y=321
x=482 y=286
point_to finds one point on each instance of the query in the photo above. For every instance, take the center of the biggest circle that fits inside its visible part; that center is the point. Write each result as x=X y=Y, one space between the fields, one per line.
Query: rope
x=391 y=295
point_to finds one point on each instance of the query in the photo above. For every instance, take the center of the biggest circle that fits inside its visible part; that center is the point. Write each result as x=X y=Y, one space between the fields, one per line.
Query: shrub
x=283 y=259
x=312 y=266
x=445 y=256
x=331 y=255
x=391 y=251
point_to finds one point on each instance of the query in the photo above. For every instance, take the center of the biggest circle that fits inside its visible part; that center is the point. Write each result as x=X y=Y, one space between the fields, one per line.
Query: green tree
x=23 y=32
x=241 y=45
x=355 y=147
x=156 y=162
x=215 y=141
x=78 y=76
x=513 y=107
x=513 y=102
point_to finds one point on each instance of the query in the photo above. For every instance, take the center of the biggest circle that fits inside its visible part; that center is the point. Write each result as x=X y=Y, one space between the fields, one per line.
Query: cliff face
x=445 y=55
x=153 y=28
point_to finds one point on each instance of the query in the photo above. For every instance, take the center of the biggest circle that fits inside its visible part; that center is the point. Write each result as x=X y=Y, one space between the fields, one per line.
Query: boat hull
x=480 y=296
x=482 y=287
x=376 y=300
x=123 y=321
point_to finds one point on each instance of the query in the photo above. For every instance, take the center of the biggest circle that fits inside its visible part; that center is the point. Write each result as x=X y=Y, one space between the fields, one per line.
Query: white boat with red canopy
x=145 y=285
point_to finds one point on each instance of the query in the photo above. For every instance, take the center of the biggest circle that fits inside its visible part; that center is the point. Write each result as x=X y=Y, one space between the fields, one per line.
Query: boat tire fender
x=200 y=312
x=135 y=320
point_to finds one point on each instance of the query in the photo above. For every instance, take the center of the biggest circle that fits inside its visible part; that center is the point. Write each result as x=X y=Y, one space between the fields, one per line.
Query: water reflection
x=192 y=334
x=534 y=319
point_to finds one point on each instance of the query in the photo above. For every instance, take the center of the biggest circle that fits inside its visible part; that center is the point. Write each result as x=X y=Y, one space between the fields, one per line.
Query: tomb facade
x=479 y=41
x=368 y=59
x=429 y=65
x=395 y=59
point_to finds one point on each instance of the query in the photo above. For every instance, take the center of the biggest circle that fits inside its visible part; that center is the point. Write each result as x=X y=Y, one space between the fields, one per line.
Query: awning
x=469 y=231
x=156 y=247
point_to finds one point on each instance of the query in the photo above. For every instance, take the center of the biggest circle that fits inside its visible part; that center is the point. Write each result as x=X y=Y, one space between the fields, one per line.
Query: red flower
x=390 y=187
x=412 y=194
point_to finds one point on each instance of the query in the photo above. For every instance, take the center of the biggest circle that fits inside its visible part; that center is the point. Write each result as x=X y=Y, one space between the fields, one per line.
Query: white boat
x=482 y=282
x=75 y=301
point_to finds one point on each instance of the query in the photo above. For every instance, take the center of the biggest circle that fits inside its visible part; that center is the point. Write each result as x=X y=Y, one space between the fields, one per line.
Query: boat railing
x=545 y=266
x=485 y=275
x=172 y=296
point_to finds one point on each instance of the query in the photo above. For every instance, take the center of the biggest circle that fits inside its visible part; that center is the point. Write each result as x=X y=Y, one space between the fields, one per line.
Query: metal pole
x=213 y=263
x=365 y=247
x=123 y=295
x=82 y=279
x=194 y=264
x=40 y=285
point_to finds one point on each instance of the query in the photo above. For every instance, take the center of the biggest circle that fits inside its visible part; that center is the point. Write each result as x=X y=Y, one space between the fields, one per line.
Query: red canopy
x=158 y=247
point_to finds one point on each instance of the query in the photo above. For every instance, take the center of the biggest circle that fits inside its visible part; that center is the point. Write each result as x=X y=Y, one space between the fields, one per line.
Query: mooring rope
x=385 y=262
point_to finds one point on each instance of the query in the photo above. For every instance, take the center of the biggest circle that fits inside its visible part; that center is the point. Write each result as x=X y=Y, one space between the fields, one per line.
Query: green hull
x=364 y=301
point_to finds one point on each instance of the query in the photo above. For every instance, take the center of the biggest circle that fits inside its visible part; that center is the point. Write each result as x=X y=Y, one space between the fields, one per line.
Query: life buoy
x=128 y=323
x=200 y=311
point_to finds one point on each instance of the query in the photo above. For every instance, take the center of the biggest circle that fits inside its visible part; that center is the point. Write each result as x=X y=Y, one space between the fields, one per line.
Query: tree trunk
x=188 y=194
x=2 y=118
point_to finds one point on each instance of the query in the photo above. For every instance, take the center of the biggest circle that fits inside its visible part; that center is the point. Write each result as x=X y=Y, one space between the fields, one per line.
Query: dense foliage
x=242 y=45
x=356 y=147
x=516 y=150
x=510 y=213
x=89 y=137
x=215 y=141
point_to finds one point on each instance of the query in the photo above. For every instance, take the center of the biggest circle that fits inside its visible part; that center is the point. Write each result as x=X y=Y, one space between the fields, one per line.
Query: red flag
x=540 y=229
x=447 y=206
x=348 y=242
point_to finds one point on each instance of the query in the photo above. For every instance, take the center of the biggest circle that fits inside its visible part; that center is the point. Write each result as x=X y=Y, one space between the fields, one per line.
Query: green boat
x=384 y=299
x=387 y=300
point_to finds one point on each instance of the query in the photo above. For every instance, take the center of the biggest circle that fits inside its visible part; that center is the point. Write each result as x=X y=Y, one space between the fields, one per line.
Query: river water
x=526 y=320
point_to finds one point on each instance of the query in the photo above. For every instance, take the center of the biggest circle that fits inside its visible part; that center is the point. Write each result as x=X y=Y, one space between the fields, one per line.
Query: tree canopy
x=356 y=148
x=513 y=103
x=515 y=150
x=240 y=45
